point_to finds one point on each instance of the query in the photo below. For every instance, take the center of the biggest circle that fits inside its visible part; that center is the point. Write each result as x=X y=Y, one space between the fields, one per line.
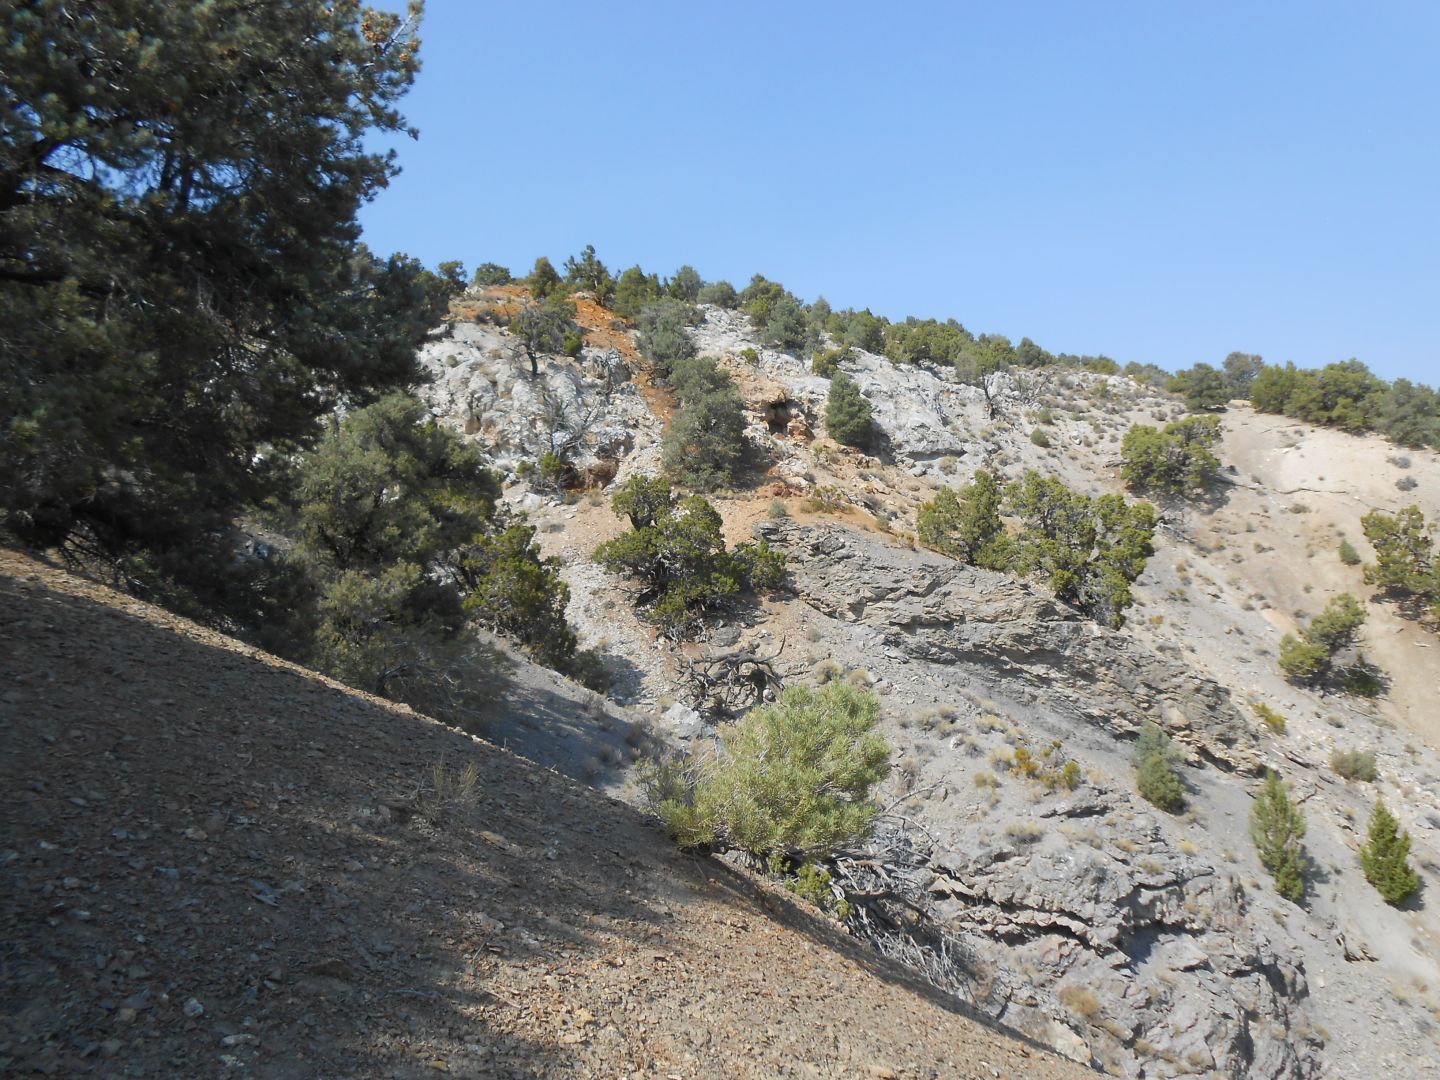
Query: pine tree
x=1386 y=857
x=790 y=780
x=966 y=525
x=182 y=286
x=1277 y=827
x=848 y=416
x=1156 y=778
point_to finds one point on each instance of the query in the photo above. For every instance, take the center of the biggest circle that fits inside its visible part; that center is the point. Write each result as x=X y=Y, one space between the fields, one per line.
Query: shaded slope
x=209 y=860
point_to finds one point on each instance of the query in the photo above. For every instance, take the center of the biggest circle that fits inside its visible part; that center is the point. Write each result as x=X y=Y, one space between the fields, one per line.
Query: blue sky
x=1155 y=181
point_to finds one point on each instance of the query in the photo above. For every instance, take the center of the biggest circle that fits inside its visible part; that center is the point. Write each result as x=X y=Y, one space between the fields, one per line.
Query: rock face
x=1107 y=938
x=1157 y=940
x=587 y=406
x=933 y=609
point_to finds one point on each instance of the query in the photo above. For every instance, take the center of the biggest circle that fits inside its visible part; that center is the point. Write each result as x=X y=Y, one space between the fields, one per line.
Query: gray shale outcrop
x=1104 y=937
x=930 y=608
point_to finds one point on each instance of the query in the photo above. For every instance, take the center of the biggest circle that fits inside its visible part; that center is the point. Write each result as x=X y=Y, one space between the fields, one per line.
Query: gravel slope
x=213 y=863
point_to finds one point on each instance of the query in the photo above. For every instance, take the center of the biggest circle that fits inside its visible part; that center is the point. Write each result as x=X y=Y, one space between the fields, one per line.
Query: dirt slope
x=209 y=865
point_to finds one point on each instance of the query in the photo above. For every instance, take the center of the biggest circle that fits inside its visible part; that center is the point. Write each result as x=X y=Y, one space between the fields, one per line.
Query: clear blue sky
x=1156 y=181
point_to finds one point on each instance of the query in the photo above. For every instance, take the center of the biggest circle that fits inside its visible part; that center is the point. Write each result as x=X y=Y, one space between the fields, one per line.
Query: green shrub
x=1277 y=827
x=1310 y=658
x=1155 y=759
x=1301 y=660
x=790 y=780
x=786 y=326
x=635 y=291
x=685 y=284
x=1354 y=764
x=1176 y=461
x=490 y=274
x=663 y=338
x=1386 y=857
x=758 y=299
x=1405 y=566
x=826 y=362
x=544 y=280
x=1203 y=387
x=849 y=417
x=676 y=550
x=750 y=356
x=720 y=293
x=1039 y=438
x=1088 y=549
x=589 y=273
x=542 y=328
x=405 y=544
x=966 y=525
x=572 y=342
x=704 y=444
x=1348 y=555
x=813 y=884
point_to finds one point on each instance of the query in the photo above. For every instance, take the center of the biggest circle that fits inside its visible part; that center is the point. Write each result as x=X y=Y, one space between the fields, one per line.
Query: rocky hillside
x=216 y=863
x=1137 y=941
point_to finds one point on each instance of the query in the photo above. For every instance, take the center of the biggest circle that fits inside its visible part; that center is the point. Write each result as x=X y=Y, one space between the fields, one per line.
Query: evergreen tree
x=1203 y=387
x=786 y=326
x=759 y=298
x=664 y=339
x=544 y=280
x=849 y=417
x=634 y=291
x=1241 y=370
x=1155 y=759
x=1273 y=388
x=1386 y=857
x=1409 y=414
x=685 y=285
x=1089 y=550
x=181 y=283
x=1311 y=656
x=1404 y=546
x=677 y=551
x=400 y=530
x=589 y=273
x=1176 y=461
x=704 y=444
x=490 y=274
x=967 y=525
x=1277 y=827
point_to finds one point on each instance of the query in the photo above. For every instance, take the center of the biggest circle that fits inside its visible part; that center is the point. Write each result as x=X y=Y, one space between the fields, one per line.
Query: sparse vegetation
x=1050 y=767
x=1270 y=717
